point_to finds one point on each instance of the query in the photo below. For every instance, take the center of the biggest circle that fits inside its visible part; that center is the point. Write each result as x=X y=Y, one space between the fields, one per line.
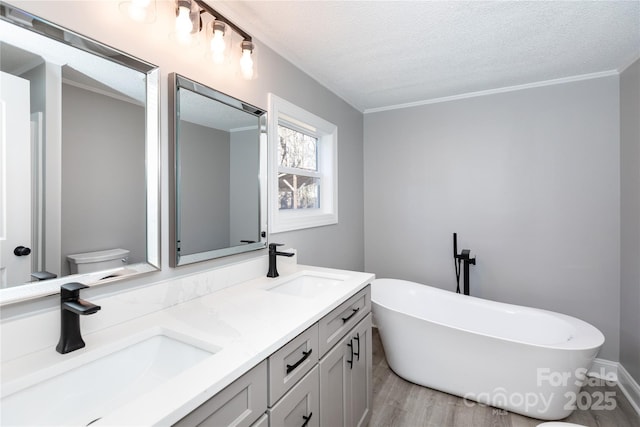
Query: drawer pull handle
x=350 y=362
x=357 y=338
x=306 y=419
x=305 y=354
x=353 y=313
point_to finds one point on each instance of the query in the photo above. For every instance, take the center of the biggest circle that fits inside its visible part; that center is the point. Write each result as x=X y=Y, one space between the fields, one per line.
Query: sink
x=89 y=389
x=307 y=285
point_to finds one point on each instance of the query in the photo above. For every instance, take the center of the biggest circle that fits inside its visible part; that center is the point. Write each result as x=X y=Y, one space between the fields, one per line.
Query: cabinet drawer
x=239 y=404
x=336 y=324
x=289 y=364
x=300 y=406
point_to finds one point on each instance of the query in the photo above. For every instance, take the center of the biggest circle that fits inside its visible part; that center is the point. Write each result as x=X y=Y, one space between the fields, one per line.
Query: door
x=15 y=181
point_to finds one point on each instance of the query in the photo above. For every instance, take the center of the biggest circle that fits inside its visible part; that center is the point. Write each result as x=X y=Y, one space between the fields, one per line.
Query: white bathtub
x=521 y=359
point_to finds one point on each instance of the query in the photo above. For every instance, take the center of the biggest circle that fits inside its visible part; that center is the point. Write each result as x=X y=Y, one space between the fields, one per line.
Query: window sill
x=291 y=221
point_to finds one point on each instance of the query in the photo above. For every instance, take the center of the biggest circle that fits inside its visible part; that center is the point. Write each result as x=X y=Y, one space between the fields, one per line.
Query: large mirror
x=79 y=132
x=219 y=149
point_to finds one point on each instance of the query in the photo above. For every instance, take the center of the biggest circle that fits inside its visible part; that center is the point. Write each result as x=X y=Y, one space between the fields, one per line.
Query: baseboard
x=629 y=387
x=614 y=371
x=604 y=370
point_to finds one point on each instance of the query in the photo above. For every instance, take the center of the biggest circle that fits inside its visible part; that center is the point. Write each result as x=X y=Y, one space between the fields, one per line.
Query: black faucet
x=273 y=253
x=71 y=307
x=463 y=257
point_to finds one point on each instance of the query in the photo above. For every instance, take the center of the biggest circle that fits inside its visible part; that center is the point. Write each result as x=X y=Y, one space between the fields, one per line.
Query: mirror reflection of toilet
x=89 y=262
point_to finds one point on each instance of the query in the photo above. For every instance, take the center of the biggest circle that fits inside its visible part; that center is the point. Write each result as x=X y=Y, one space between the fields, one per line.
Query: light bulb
x=217 y=43
x=246 y=62
x=184 y=26
x=138 y=9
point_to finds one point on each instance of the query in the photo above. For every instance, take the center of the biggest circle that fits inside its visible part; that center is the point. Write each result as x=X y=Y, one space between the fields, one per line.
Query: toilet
x=88 y=262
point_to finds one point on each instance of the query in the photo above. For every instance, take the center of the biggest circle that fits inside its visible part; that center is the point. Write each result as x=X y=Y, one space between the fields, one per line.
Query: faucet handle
x=71 y=290
x=273 y=246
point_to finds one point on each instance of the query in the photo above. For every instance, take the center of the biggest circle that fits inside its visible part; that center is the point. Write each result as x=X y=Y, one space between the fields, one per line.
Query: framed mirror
x=219 y=157
x=79 y=129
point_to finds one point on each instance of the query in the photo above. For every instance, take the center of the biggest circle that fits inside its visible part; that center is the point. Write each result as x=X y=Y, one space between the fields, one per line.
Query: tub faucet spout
x=463 y=257
x=273 y=253
x=71 y=308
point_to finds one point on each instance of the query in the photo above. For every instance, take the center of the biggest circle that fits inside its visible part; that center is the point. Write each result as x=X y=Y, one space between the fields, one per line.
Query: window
x=302 y=169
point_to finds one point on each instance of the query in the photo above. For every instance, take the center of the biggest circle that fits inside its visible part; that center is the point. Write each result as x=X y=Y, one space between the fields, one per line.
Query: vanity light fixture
x=188 y=22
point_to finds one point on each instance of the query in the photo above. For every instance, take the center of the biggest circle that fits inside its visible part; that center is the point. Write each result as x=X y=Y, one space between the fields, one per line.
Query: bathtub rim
x=585 y=336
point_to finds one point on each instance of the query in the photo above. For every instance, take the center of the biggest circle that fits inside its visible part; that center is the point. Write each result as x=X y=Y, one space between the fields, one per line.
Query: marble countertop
x=242 y=324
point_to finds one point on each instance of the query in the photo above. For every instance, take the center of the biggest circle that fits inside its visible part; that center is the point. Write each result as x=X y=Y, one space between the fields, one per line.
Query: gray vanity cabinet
x=321 y=377
x=345 y=379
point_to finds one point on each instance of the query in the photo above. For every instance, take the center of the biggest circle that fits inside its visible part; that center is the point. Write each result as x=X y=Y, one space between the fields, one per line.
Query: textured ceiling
x=377 y=54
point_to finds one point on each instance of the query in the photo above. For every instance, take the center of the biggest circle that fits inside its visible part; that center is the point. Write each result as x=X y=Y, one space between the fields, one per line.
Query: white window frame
x=290 y=115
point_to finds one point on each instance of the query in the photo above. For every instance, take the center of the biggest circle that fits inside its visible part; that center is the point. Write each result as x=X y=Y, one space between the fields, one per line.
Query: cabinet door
x=333 y=385
x=345 y=379
x=360 y=377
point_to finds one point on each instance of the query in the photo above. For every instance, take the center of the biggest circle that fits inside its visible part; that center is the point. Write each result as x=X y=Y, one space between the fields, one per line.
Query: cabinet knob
x=21 y=251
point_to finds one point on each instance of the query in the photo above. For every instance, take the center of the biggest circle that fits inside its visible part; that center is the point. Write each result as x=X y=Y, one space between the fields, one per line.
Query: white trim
x=604 y=369
x=614 y=371
x=327 y=134
x=629 y=387
x=496 y=91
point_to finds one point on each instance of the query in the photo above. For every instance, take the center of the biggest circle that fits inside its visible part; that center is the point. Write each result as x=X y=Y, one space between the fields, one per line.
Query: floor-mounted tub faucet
x=465 y=258
x=273 y=253
x=71 y=308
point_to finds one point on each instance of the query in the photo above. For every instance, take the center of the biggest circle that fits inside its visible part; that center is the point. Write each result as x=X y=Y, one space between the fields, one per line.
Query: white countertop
x=246 y=322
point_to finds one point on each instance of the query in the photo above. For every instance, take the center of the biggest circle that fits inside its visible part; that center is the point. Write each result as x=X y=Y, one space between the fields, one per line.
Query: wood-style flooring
x=397 y=402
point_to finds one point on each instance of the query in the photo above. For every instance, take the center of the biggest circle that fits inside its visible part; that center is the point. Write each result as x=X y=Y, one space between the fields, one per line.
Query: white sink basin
x=308 y=285
x=94 y=387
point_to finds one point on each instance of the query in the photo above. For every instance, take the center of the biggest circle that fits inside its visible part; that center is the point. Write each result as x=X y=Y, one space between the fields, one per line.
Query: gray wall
x=245 y=195
x=204 y=188
x=528 y=179
x=103 y=166
x=340 y=245
x=630 y=220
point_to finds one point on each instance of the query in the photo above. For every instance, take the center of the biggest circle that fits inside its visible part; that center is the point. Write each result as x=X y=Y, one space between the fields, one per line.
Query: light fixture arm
x=220 y=17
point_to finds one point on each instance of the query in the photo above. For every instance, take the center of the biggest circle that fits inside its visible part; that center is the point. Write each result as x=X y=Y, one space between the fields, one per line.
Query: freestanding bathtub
x=521 y=359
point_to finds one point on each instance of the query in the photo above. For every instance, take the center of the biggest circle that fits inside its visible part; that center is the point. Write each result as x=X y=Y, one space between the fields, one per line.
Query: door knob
x=21 y=251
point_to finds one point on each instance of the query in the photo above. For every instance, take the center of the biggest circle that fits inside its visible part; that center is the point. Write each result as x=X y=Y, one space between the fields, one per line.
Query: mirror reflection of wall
x=76 y=172
x=205 y=188
x=103 y=167
x=218 y=153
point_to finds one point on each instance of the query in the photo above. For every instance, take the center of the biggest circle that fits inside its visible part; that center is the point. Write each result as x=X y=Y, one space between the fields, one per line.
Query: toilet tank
x=89 y=262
